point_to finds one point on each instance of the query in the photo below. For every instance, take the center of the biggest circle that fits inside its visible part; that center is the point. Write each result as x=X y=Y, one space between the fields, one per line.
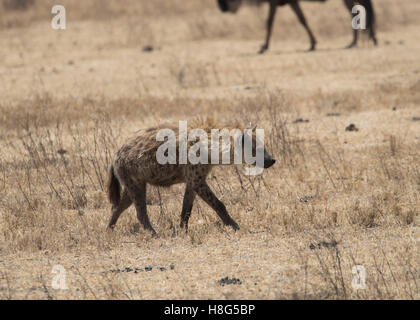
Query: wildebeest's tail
x=114 y=188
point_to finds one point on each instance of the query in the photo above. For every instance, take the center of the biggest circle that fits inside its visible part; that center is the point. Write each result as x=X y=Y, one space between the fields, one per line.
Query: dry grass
x=334 y=199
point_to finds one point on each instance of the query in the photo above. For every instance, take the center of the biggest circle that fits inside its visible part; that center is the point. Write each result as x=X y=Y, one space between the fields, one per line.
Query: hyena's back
x=136 y=161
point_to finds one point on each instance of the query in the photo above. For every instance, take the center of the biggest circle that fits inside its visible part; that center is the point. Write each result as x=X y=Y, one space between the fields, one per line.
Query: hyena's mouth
x=223 y=5
x=269 y=163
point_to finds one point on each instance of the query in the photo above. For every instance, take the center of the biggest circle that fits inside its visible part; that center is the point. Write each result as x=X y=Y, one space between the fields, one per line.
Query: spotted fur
x=135 y=166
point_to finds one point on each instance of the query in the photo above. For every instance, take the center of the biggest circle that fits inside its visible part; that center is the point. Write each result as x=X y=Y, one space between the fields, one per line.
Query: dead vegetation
x=334 y=200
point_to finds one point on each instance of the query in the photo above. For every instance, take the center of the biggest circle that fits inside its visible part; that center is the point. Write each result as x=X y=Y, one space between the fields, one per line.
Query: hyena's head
x=268 y=160
x=232 y=145
x=247 y=146
x=253 y=135
x=229 y=5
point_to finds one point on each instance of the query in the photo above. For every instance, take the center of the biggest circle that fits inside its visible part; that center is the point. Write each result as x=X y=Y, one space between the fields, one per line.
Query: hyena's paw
x=234 y=225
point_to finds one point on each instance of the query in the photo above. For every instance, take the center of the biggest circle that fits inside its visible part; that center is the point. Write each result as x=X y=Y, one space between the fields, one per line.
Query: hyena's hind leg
x=204 y=191
x=137 y=193
x=187 y=205
x=125 y=202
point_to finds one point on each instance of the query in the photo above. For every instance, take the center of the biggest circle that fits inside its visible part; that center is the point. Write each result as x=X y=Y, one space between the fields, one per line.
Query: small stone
x=226 y=281
x=306 y=198
x=352 y=127
x=148 y=48
x=300 y=120
x=61 y=151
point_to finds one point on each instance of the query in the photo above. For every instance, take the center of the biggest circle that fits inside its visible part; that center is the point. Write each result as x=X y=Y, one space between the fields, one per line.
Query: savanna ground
x=333 y=200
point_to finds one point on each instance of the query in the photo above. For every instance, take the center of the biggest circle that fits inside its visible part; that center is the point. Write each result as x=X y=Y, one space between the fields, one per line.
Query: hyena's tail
x=114 y=188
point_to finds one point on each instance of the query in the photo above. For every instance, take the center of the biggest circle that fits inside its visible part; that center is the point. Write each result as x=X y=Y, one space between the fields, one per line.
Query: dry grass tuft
x=335 y=198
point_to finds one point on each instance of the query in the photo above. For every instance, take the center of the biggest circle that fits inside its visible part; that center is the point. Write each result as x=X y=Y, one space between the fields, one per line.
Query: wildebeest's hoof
x=312 y=48
x=263 y=49
x=351 y=45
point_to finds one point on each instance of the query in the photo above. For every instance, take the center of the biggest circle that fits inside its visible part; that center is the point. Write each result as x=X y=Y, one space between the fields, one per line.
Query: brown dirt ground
x=85 y=89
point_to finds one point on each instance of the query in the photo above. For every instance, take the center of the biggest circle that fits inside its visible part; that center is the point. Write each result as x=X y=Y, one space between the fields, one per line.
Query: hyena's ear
x=240 y=139
x=251 y=127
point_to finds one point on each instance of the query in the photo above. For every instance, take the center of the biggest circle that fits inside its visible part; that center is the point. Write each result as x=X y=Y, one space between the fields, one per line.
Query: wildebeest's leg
x=370 y=16
x=370 y=19
x=125 y=202
x=187 y=206
x=373 y=36
x=138 y=194
x=270 y=20
x=354 y=42
x=208 y=196
x=349 y=4
x=296 y=8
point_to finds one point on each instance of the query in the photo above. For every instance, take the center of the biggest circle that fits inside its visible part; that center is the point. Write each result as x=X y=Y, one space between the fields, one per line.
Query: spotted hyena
x=135 y=165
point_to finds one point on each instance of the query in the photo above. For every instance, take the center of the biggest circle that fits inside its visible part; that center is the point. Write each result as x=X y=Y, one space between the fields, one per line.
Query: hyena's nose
x=268 y=163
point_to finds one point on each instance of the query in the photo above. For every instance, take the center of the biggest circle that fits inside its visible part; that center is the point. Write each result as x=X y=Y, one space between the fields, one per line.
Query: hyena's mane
x=207 y=124
x=146 y=139
x=232 y=130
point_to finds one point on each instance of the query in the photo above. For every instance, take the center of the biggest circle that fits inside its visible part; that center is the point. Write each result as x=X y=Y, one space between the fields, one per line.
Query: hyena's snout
x=223 y=5
x=231 y=6
x=268 y=161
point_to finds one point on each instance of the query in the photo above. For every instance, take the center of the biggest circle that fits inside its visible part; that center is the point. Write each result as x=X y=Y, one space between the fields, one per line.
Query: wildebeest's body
x=135 y=165
x=233 y=6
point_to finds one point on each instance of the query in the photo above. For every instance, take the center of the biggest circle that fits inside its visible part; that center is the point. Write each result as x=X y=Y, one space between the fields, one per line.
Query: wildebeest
x=232 y=6
x=135 y=165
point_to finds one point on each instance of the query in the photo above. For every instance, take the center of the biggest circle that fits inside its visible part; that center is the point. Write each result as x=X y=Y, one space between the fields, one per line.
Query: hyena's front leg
x=187 y=206
x=204 y=191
